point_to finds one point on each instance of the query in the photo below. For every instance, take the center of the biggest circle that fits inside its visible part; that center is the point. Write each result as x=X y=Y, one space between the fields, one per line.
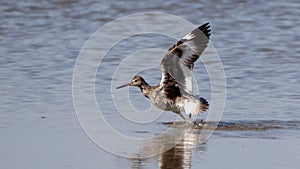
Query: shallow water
x=257 y=42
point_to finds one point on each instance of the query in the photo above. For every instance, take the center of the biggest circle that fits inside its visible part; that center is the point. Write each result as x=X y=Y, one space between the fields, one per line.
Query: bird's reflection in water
x=179 y=157
x=174 y=149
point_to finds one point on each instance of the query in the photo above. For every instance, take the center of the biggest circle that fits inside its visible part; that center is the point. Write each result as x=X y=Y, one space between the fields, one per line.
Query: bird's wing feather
x=177 y=65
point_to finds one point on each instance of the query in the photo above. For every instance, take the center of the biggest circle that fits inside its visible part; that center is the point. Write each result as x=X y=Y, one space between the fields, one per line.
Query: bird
x=174 y=92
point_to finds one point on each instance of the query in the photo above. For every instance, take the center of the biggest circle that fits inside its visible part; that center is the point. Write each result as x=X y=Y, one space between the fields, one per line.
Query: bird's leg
x=180 y=114
x=189 y=119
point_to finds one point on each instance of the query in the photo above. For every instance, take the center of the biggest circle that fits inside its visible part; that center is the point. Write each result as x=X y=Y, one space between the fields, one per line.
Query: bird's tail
x=195 y=106
x=203 y=104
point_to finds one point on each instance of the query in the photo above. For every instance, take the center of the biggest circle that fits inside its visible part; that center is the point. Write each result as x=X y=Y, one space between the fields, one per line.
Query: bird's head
x=137 y=81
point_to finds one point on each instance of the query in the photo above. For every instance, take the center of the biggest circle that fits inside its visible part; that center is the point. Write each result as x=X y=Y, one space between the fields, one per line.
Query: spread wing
x=177 y=65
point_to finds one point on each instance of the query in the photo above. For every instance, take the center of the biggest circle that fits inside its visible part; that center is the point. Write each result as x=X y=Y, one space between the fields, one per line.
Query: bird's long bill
x=119 y=87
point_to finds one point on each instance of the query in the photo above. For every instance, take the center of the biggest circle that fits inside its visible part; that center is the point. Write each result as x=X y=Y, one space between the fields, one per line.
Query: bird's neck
x=145 y=89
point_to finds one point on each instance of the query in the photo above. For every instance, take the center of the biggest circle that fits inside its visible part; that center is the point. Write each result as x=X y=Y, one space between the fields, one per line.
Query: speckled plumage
x=174 y=93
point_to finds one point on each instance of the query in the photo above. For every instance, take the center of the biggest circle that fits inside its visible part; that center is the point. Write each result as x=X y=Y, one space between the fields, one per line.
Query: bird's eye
x=135 y=80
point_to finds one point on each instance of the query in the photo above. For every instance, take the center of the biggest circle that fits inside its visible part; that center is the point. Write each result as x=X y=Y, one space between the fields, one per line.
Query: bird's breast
x=146 y=93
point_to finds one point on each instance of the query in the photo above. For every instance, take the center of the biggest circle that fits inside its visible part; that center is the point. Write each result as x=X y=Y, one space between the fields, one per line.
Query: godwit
x=174 y=93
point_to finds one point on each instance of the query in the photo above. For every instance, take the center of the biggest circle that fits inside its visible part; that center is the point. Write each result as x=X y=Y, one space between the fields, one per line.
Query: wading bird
x=174 y=93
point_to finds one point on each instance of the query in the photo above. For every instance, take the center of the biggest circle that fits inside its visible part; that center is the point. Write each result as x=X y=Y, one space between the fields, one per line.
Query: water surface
x=257 y=42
